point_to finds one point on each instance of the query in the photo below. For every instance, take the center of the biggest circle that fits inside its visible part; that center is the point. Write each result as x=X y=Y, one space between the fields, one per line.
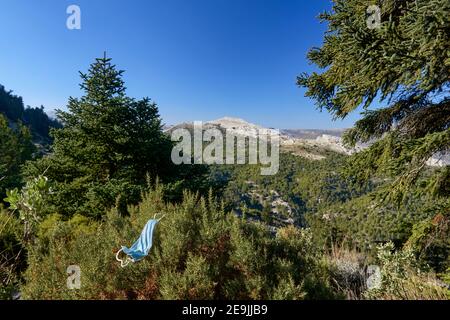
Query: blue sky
x=197 y=59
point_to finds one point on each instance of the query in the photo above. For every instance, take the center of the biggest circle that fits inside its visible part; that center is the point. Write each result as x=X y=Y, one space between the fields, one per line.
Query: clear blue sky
x=198 y=59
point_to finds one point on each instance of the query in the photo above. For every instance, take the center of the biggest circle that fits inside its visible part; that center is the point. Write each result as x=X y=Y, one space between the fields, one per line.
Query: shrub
x=430 y=241
x=12 y=254
x=199 y=252
x=401 y=277
x=29 y=204
x=347 y=271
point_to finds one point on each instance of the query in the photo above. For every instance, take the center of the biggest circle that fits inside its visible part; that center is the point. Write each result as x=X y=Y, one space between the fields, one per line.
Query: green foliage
x=396 y=264
x=11 y=106
x=363 y=222
x=15 y=148
x=29 y=203
x=195 y=282
x=322 y=183
x=40 y=124
x=305 y=185
x=199 y=253
x=401 y=277
x=446 y=277
x=404 y=62
x=266 y=237
x=12 y=254
x=288 y=290
x=430 y=241
x=109 y=145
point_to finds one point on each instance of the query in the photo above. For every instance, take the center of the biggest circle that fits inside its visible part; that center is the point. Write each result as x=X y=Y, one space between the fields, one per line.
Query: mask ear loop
x=123 y=263
x=154 y=217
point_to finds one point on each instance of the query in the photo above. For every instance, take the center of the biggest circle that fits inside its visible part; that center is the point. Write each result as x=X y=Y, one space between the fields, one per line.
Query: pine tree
x=404 y=64
x=11 y=105
x=15 y=148
x=108 y=146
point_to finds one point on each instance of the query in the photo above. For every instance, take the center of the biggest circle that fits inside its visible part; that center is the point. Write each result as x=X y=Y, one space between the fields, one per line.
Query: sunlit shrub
x=401 y=277
x=199 y=252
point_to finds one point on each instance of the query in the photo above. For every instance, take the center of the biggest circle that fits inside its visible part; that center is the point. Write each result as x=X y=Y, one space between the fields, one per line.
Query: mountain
x=311 y=133
x=233 y=124
x=308 y=143
x=290 y=138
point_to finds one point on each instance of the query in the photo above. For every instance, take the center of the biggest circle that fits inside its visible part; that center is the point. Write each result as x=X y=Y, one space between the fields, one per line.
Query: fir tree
x=405 y=64
x=15 y=148
x=108 y=146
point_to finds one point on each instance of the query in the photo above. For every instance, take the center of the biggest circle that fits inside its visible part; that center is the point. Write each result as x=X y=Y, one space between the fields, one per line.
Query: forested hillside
x=24 y=135
x=35 y=118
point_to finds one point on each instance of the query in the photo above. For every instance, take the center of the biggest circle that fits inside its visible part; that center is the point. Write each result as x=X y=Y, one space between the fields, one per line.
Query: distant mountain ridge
x=329 y=139
x=312 y=133
x=233 y=123
x=295 y=139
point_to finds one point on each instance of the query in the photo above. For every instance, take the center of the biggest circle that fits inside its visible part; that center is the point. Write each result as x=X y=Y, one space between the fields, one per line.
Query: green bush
x=12 y=254
x=430 y=241
x=401 y=277
x=199 y=252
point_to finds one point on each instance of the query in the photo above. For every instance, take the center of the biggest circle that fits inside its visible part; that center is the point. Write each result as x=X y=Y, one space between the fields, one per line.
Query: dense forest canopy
x=10 y=104
x=16 y=147
x=24 y=134
x=12 y=107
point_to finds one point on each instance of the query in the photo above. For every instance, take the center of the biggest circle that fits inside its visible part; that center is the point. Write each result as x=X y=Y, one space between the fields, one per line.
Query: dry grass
x=347 y=267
